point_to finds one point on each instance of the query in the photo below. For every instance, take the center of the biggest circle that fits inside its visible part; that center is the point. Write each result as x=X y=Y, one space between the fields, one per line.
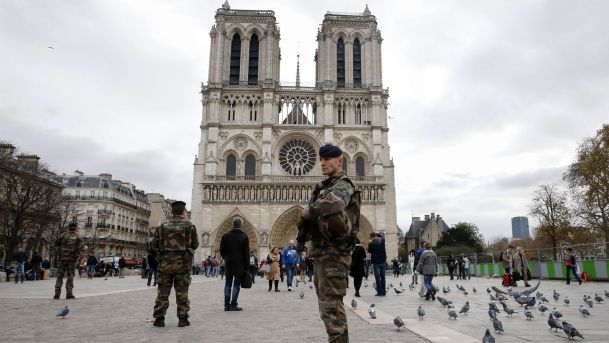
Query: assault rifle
x=304 y=225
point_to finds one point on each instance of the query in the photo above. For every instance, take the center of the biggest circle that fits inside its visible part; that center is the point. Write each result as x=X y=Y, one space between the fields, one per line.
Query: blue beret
x=330 y=150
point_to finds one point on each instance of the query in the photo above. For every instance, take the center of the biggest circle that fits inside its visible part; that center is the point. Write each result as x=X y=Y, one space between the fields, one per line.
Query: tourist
x=235 y=251
x=273 y=275
x=19 y=257
x=378 y=258
x=451 y=264
x=428 y=266
x=121 y=267
x=302 y=267
x=570 y=263
x=91 y=262
x=358 y=265
x=35 y=261
x=253 y=268
x=291 y=260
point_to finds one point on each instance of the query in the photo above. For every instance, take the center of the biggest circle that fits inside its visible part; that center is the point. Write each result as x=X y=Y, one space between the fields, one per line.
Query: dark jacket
x=451 y=263
x=91 y=261
x=376 y=248
x=358 y=259
x=20 y=256
x=151 y=260
x=122 y=263
x=417 y=256
x=235 y=250
x=36 y=261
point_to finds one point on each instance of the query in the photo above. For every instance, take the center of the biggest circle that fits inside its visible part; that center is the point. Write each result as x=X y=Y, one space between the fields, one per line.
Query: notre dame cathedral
x=257 y=158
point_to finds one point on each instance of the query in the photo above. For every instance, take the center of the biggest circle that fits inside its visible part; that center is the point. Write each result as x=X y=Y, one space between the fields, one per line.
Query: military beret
x=178 y=203
x=72 y=226
x=330 y=150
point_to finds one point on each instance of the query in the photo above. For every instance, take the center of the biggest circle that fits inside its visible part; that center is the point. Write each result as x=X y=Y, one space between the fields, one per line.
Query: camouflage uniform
x=332 y=212
x=68 y=246
x=174 y=243
x=2 y=254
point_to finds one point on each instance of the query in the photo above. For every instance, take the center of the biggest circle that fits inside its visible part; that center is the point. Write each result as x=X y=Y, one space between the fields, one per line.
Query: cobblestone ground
x=121 y=310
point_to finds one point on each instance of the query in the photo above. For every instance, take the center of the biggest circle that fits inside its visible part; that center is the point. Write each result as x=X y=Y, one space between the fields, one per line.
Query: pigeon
x=509 y=311
x=465 y=308
x=517 y=295
x=372 y=311
x=420 y=312
x=584 y=311
x=488 y=290
x=397 y=291
x=474 y=290
x=494 y=307
x=526 y=300
x=493 y=298
x=500 y=297
x=365 y=285
x=297 y=281
x=465 y=293
x=543 y=299
x=528 y=314
x=606 y=294
x=301 y=295
x=310 y=286
x=556 y=313
x=497 y=325
x=444 y=290
x=566 y=301
x=492 y=314
x=488 y=338
x=390 y=285
x=570 y=330
x=553 y=323
x=538 y=295
x=542 y=308
x=444 y=302
x=598 y=298
x=401 y=284
x=589 y=302
x=398 y=322
x=64 y=312
x=411 y=287
x=452 y=314
x=504 y=305
x=556 y=295
x=353 y=304
x=374 y=285
x=50 y=47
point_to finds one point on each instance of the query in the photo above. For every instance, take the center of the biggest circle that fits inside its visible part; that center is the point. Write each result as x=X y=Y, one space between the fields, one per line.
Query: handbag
x=266 y=268
x=246 y=280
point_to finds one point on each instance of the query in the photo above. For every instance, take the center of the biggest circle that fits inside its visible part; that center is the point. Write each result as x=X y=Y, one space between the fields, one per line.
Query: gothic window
x=297 y=157
x=235 y=59
x=357 y=64
x=340 y=63
x=231 y=165
x=253 y=111
x=358 y=113
x=250 y=167
x=360 y=169
x=345 y=165
x=231 y=110
x=341 y=114
x=252 y=73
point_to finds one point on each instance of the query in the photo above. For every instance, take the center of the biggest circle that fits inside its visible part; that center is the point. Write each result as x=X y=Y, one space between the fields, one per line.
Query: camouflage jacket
x=68 y=246
x=333 y=213
x=174 y=243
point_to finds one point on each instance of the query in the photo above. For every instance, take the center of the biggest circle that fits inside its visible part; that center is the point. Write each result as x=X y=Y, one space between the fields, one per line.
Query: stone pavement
x=121 y=310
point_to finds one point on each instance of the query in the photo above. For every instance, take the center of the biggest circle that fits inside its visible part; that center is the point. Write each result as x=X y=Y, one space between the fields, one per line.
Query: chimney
x=438 y=218
x=416 y=219
x=433 y=216
x=106 y=176
x=78 y=173
x=426 y=217
x=6 y=150
x=29 y=160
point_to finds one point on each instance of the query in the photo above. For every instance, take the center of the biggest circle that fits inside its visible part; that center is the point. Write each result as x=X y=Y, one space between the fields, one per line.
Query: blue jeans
x=207 y=270
x=90 y=271
x=290 y=271
x=427 y=281
x=236 y=286
x=20 y=270
x=574 y=270
x=379 y=277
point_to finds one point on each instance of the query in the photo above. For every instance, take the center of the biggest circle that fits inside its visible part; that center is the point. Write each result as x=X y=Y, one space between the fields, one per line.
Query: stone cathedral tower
x=257 y=158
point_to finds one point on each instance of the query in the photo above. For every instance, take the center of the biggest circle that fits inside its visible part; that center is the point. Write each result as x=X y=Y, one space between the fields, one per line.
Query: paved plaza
x=116 y=310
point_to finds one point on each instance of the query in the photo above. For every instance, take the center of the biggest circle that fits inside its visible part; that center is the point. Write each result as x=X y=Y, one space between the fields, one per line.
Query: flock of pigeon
x=525 y=299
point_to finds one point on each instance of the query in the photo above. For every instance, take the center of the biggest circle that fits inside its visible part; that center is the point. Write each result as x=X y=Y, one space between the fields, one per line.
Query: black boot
x=56 y=296
x=183 y=322
x=159 y=322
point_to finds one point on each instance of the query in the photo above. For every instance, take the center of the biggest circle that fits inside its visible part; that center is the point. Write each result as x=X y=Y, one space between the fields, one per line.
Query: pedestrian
x=151 y=266
x=507 y=259
x=428 y=266
x=451 y=263
x=46 y=268
x=36 y=261
x=253 y=265
x=2 y=255
x=207 y=264
x=215 y=266
x=357 y=269
x=302 y=267
x=334 y=208
x=417 y=258
x=466 y=268
x=122 y=263
x=19 y=257
x=273 y=275
x=234 y=249
x=310 y=262
x=68 y=247
x=461 y=267
x=378 y=258
x=290 y=260
x=174 y=243
x=521 y=267
x=91 y=263
x=395 y=265
x=571 y=265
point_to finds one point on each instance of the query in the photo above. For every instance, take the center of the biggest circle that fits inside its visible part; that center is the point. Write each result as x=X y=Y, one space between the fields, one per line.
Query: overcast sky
x=489 y=99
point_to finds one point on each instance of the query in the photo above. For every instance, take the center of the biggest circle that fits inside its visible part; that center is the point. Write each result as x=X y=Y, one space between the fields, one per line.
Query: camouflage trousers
x=65 y=268
x=164 y=282
x=331 y=286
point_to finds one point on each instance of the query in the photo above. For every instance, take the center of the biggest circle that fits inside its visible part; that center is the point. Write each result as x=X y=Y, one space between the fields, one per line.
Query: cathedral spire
x=367 y=11
x=298 y=70
x=226 y=5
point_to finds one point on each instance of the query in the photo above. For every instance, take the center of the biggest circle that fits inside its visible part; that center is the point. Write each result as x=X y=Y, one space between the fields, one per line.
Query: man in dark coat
x=35 y=261
x=234 y=249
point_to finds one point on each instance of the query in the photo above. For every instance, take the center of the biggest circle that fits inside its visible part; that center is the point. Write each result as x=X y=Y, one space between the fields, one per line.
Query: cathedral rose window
x=297 y=157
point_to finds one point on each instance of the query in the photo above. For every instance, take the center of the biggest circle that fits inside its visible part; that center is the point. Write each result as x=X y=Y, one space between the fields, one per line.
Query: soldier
x=68 y=253
x=173 y=244
x=332 y=221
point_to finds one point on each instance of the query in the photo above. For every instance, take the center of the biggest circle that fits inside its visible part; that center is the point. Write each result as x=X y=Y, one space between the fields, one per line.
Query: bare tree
x=588 y=179
x=551 y=210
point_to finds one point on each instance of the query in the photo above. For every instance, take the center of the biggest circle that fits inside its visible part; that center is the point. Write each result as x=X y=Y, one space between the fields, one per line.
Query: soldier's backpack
x=174 y=243
x=345 y=225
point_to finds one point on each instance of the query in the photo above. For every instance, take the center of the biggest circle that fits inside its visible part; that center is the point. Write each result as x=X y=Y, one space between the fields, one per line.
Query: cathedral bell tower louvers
x=257 y=157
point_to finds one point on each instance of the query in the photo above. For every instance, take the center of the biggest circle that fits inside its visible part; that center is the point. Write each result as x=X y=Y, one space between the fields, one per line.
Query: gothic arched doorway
x=226 y=225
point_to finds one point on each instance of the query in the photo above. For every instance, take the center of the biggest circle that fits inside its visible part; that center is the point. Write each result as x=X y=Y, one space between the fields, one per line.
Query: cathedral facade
x=258 y=154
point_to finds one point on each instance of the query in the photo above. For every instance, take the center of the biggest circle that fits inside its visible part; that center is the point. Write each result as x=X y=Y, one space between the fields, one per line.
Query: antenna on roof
x=298 y=65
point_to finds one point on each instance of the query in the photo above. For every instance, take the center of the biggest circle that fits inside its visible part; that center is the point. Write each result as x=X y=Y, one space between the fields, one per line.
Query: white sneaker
x=289 y=289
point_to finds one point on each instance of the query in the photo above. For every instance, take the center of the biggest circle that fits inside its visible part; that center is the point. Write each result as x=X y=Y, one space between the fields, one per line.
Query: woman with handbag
x=272 y=260
x=357 y=269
